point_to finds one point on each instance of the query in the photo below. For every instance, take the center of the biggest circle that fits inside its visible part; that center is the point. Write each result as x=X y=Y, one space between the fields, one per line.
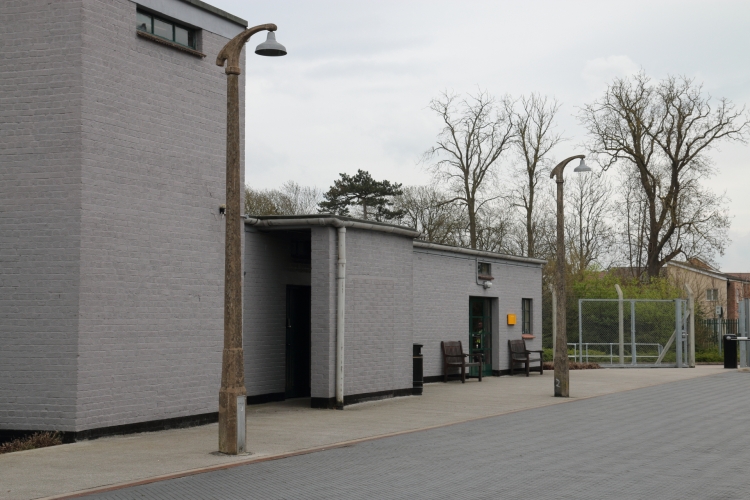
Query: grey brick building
x=398 y=291
x=112 y=154
x=112 y=166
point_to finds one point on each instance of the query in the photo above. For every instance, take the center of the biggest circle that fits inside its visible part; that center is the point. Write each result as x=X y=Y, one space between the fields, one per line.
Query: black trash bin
x=418 y=370
x=730 y=351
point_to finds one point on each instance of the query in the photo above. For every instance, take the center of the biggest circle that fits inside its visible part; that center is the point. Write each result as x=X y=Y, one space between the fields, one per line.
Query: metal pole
x=633 y=357
x=678 y=328
x=621 y=324
x=232 y=393
x=580 y=330
x=691 y=326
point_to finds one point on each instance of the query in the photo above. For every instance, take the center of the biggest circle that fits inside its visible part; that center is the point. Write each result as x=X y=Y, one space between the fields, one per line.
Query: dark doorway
x=480 y=333
x=297 y=341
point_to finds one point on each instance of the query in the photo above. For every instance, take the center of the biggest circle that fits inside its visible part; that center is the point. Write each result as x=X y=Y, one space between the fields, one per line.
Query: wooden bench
x=519 y=355
x=454 y=357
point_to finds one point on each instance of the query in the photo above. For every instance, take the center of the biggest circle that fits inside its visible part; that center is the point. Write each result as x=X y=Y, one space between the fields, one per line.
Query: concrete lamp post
x=232 y=395
x=562 y=373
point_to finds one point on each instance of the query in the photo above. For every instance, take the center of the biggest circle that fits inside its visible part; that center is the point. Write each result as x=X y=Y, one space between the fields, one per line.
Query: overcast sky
x=354 y=90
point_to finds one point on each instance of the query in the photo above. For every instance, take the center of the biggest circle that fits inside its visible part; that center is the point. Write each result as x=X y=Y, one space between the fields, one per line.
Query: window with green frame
x=526 y=316
x=168 y=30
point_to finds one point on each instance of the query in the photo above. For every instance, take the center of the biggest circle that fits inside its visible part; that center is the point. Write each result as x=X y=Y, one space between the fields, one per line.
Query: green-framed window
x=526 y=316
x=168 y=30
x=484 y=270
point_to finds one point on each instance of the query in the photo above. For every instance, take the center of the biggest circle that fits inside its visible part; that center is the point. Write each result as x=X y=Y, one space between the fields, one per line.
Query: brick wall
x=323 y=309
x=269 y=269
x=443 y=284
x=378 y=352
x=117 y=161
x=40 y=220
x=152 y=244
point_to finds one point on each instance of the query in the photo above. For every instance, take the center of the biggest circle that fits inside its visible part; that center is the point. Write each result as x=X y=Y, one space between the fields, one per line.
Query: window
x=484 y=271
x=168 y=30
x=526 y=316
x=712 y=294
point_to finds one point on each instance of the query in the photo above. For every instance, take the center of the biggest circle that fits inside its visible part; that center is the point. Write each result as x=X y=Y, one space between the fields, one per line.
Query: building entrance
x=480 y=333
x=297 y=341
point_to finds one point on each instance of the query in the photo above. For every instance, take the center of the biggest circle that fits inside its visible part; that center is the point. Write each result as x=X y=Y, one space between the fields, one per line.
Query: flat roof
x=217 y=11
x=280 y=222
x=342 y=218
x=477 y=253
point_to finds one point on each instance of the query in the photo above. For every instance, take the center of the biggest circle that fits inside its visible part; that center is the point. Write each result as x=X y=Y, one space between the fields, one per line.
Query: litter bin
x=730 y=351
x=418 y=370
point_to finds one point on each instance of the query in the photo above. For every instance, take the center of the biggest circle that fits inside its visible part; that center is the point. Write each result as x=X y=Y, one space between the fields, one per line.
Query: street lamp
x=562 y=373
x=232 y=395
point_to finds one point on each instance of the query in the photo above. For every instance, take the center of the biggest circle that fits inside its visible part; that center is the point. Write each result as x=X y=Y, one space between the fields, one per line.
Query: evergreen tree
x=373 y=198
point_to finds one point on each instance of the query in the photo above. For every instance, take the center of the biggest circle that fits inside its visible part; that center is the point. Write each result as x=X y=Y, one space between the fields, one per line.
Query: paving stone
x=685 y=439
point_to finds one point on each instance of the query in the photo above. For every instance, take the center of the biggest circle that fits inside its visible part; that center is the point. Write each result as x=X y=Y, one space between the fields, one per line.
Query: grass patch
x=36 y=440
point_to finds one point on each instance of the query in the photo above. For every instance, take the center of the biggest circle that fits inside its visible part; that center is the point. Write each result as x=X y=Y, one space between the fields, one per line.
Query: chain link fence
x=631 y=332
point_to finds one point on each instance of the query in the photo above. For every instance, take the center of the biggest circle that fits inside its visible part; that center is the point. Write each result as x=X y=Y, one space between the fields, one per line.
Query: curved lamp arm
x=230 y=53
x=558 y=170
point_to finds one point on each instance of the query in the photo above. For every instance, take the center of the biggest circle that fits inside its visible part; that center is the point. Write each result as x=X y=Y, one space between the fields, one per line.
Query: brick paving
x=685 y=439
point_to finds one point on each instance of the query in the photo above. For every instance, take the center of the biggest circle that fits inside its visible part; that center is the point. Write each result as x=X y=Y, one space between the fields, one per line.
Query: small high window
x=712 y=294
x=484 y=271
x=168 y=30
x=526 y=316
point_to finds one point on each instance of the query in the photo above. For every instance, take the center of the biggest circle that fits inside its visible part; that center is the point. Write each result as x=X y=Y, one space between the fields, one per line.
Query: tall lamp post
x=232 y=395
x=562 y=373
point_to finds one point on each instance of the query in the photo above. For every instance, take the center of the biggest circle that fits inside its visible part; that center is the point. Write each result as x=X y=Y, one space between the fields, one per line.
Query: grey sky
x=353 y=91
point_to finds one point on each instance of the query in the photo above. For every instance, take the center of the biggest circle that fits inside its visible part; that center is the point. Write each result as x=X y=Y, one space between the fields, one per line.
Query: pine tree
x=374 y=198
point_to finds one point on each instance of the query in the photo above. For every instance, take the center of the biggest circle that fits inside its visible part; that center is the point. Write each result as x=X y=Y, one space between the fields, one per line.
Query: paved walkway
x=281 y=428
x=687 y=439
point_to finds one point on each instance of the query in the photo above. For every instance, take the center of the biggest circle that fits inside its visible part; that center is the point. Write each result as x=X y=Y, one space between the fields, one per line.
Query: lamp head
x=270 y=47
x=582 y=167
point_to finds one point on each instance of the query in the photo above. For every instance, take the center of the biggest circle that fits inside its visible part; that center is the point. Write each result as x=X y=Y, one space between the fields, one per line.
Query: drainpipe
x=340 y=303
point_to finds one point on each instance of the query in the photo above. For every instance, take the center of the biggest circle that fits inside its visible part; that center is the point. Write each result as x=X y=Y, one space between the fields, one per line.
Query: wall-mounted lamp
x=487 y=284
x=222 y=210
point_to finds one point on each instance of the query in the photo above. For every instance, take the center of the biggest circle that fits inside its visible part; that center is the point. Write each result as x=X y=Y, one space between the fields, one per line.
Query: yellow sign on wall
x=511 y=319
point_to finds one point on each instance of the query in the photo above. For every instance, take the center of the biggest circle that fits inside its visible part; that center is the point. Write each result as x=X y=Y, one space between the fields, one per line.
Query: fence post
x=633 y=360
x=678 y=331
x=691 y=326
x=554 y=320
x=580 y=331
x=621 y=324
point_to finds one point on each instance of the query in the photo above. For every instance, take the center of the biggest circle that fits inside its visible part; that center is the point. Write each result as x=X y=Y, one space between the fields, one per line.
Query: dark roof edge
x=217 y=12
x=478 y=253
x=298 y=221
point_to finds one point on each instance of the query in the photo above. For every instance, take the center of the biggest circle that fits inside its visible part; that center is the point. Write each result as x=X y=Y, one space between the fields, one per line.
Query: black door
x=297 y=341
x=480 y=333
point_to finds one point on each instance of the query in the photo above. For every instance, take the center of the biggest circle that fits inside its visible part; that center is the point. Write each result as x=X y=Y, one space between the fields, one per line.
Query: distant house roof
x=704 y=268
x=740 y=276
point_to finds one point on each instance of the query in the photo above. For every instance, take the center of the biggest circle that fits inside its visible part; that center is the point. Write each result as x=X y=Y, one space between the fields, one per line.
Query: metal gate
x=633 y=332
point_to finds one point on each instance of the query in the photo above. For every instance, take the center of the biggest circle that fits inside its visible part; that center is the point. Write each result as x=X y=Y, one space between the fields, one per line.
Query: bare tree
x=665 y=131
x=430 y=211
x=535 y=138
x=290 y=199
x=476 y=132
x=587 y=222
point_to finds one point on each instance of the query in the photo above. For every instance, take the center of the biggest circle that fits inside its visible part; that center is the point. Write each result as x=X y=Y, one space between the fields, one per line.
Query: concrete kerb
x=279 y=456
